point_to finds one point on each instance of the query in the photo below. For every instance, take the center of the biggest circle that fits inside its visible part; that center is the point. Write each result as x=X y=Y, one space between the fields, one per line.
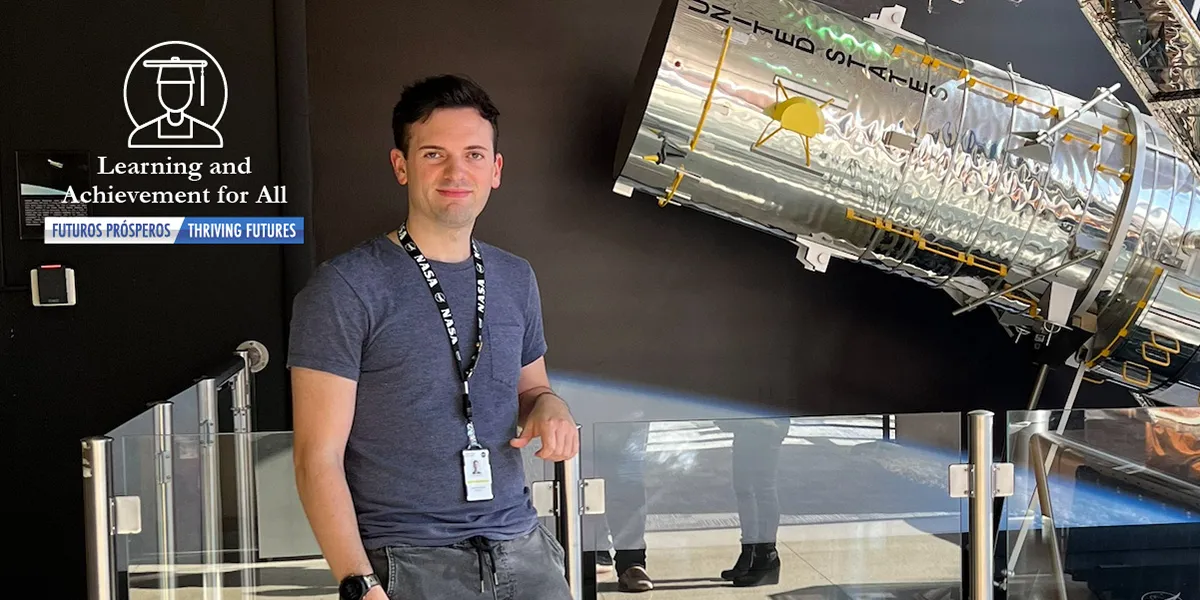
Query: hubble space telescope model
x=857 y=140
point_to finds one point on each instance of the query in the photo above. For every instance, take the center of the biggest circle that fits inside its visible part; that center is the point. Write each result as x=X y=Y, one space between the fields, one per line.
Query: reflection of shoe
x=604 y=562
x=635 y=579
x=741 y=566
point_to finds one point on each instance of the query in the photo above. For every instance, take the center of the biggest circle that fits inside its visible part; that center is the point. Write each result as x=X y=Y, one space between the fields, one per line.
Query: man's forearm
x=326 y=499
x=529 y=399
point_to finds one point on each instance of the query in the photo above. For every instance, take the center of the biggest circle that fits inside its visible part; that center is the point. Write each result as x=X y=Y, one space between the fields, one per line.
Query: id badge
x=477 y=473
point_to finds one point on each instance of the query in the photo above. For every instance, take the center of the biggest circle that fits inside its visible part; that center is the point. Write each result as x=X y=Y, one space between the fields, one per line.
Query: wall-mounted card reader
x=53 y=285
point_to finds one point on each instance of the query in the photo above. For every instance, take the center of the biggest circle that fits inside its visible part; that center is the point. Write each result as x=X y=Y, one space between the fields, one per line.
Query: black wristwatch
x=354 y=587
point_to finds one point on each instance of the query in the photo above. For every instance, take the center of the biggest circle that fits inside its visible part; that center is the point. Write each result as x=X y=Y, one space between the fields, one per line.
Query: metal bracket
x=1058 y=299
x=960 y=480
x=545 y=497
x=624 y=189
x=891 y=18
x=592 y=497
x=127 y=514
x=815 y=255
x=543 y=493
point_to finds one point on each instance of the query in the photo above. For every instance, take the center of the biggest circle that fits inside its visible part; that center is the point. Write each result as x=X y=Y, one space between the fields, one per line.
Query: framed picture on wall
x=43 y=178
x=32 y=188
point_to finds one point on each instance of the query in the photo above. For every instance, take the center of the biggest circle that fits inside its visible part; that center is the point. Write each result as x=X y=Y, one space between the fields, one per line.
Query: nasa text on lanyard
x=439 y=297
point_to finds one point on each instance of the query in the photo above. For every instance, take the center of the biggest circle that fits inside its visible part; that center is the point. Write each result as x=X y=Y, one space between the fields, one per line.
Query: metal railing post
x=982 y=496
x=246 y=489
x=569 y=519
x=100 y=544
x=210 y=488
x=164 y=468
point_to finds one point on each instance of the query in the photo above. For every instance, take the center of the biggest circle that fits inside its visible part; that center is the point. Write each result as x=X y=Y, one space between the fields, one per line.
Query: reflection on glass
x=288 y=560
x=620 y=459
x=755 y=457
x=781 y=507
x=1119 y=513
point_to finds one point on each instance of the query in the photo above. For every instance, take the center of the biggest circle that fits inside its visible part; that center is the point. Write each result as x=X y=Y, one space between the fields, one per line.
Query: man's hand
x=376 y=593
x=550 y=420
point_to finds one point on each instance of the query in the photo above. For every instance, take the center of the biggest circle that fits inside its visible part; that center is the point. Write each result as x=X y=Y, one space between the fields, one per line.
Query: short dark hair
x=418 y=100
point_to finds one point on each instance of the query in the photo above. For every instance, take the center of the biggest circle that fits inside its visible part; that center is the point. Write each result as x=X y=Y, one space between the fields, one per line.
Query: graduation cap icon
x=175 y=127
x=175 y=70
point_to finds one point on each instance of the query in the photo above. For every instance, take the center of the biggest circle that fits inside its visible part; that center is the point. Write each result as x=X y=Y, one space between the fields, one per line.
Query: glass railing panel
x=141 y=425
x=181 y=415
x=190 y=543
x=1122 y=490
x=163 y=474
x=186 y=409
x=187 y=488
x=855 y=505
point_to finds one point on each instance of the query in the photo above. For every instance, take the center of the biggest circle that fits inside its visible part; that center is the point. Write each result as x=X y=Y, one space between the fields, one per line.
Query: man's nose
x=455 y=167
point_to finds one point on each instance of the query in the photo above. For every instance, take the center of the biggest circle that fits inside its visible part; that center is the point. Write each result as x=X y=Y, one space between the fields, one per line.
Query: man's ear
x=496 y=171
x=399 y=166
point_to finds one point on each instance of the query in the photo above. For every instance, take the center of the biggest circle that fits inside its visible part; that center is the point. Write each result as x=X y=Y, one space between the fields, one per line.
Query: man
x=382 y=339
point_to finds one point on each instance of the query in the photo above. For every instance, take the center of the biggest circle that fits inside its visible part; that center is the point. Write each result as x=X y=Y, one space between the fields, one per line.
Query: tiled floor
x=835 y=561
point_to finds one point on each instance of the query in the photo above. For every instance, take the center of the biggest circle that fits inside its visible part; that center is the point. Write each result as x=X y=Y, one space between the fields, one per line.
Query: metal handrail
x=225 y=371
x=100 y=499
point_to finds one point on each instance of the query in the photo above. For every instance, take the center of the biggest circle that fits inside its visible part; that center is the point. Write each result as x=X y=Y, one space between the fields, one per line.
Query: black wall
x=1047 y=42
x=150 y=319
x=632 y=292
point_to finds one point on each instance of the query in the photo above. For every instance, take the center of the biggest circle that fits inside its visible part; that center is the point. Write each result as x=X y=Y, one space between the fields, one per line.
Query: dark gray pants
x=527 y=568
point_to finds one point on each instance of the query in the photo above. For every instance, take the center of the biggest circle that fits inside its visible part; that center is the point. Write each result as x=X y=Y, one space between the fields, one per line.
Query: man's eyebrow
x=436 y=147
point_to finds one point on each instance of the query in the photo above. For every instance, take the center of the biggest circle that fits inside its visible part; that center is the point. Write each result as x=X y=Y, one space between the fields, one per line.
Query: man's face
x=450 y=167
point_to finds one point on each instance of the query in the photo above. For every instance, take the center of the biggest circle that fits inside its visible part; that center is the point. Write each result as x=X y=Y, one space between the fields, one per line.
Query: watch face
x=352 y=588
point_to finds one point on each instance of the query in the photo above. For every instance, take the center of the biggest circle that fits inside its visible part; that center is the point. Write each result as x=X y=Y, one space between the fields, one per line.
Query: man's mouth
x=456 y=194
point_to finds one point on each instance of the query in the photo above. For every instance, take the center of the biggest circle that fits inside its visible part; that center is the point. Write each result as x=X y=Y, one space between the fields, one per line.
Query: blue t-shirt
x=368 y=315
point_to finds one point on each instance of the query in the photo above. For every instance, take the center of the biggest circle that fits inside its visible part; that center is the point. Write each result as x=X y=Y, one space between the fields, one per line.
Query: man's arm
x=323 y=410
x=543 y=414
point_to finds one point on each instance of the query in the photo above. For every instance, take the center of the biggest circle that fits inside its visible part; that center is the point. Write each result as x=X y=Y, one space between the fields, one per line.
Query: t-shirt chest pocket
x=502 y=351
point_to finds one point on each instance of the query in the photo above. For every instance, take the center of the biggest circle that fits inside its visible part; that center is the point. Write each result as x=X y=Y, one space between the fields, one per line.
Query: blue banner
x=174 y=230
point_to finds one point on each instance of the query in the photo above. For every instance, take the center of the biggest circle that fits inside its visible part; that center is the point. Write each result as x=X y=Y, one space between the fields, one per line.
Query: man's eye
x=431 y=155
x=477 y=155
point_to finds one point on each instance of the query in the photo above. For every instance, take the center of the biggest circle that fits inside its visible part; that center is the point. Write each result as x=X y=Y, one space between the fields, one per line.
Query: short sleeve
x=535 y=336
x=329 y=325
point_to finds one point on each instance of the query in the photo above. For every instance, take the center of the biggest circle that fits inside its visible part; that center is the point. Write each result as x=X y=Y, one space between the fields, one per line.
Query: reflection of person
x=175 y=127
x=380 y=415
x=620 y=459
x=756 y=447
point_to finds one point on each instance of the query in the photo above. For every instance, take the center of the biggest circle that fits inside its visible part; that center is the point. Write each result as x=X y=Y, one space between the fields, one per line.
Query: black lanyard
x=439 y=297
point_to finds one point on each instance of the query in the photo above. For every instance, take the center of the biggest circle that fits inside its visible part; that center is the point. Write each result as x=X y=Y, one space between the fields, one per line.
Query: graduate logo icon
x=175 y=95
